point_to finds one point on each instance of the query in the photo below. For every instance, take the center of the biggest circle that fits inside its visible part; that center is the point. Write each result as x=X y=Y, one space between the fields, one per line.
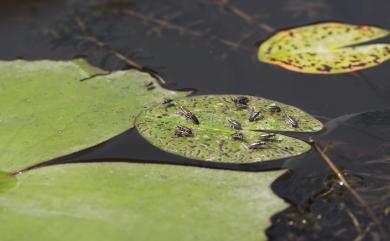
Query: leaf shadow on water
x=106 y=152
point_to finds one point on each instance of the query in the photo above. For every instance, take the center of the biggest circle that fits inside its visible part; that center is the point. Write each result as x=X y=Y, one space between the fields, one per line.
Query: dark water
x=321 y=208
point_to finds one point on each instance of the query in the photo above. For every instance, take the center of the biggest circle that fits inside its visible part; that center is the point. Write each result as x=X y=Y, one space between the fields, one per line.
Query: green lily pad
x=212 y=140
x=325 y=48
x=120 y=201
x=53 y=108
x=6 y=181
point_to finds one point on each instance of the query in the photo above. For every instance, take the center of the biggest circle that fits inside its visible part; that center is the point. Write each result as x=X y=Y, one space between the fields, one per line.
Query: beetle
x=168 y=102
x=149 y=85
x=234 y=124
x=257 y=145
x=241 y=102
x=238 y=136
x=267 y=136
x=189 y=115
x=254 y=115
x=292 y=120
x=183 y=131
x=274 y=108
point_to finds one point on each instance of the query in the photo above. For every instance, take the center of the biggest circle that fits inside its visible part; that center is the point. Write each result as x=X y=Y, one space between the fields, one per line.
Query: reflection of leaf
x=372 y=128
x=340 y=120
x=325 y=48
x=212 y=139
x=47 y=111
x=378 y=119
x=106 y=201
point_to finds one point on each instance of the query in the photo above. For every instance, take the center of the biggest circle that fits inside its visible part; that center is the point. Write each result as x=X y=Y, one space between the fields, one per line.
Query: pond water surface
x=192 y=48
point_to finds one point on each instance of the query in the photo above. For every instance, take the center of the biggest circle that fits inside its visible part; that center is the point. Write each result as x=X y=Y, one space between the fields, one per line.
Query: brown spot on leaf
x=324 y=68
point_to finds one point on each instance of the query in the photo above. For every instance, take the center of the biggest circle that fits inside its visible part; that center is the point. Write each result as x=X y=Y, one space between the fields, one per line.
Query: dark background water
x=48 y=30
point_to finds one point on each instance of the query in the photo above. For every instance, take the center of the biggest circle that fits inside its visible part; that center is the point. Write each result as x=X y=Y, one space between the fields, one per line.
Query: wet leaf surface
x=212 y=139
x=117 y=201
x=326 y=48
x=54 y=108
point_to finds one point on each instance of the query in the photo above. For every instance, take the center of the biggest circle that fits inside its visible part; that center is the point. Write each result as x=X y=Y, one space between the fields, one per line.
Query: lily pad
x=54 y=108
x=6 y=181
x=326 y=48
x=212 y=139
x=120 y=201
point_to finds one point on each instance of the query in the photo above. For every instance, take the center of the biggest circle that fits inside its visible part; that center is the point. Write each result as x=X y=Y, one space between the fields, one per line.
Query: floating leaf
x=212 y=139
x=325 y=48
x=120 y=201
x=6 y=181
x=53 y=108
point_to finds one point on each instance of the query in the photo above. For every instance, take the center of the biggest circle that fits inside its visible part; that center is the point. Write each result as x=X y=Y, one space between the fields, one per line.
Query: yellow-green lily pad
x=142 y=202
x=326 y=48
x=53 y=108
x=215 y=139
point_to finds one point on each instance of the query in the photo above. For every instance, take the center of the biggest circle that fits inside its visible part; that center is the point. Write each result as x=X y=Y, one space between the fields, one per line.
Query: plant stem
x=243 y=15
x=88 y=37
x=347 y=185
x=164 y=24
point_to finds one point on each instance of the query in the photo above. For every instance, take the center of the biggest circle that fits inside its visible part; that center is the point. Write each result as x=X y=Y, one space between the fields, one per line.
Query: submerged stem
x=249 y=19
x=88 y=37
x=347 y=185
x=164 y=24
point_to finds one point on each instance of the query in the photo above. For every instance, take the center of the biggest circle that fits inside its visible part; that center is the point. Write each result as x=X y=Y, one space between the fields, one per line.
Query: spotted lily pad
x=53 y=108
x=326 y=48
x=212 y=139
x=142 y=202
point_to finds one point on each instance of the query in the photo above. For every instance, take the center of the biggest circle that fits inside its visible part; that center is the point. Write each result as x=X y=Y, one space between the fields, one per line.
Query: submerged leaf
x=53 y=108
x=212 y=139
x=325 y=48
x=121 y=202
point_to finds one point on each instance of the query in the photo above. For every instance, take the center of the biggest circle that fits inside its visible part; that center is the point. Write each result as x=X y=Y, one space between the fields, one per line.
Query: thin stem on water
x=164 y=24
x=249 y=19
x=89 y=37
x=347 y=185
